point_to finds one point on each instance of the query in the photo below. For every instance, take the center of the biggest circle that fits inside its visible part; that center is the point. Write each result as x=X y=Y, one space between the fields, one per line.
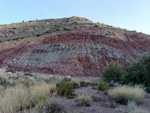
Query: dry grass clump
x=14 y=99
x=20 y=97
x=83 y=99
x=124 y=94
x=38 y=91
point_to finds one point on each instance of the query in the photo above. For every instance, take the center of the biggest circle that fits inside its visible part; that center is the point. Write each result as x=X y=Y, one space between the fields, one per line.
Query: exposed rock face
x=79 y=52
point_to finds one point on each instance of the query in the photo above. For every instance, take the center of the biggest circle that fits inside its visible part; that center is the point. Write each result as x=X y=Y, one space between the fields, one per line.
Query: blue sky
x=129 y=14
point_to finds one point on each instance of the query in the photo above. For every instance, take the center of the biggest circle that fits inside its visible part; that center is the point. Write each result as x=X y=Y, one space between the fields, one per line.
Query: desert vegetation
x=138 y=73
x=41 y=27
x=45 y=94
x=20 y=97
x=65 y=88
x=124 y=94
x=112 y=72
x=102 y=85
x=37 y=28
x=83 y=99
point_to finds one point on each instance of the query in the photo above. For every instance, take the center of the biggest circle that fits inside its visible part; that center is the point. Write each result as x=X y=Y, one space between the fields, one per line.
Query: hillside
x=69 y=46
x=37 y=28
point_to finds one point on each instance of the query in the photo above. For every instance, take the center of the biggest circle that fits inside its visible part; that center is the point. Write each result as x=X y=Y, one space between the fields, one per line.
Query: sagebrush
x=126 y=93
x=83 y=99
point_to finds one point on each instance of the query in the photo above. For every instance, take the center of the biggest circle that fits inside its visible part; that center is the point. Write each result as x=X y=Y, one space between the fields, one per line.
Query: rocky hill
x=39 y=27
x=69 y=46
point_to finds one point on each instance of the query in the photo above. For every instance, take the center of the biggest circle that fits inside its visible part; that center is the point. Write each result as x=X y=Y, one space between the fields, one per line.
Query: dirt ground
x=101 y=105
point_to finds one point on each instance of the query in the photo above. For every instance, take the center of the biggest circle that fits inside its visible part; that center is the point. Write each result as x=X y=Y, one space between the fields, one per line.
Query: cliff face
x=79 y=52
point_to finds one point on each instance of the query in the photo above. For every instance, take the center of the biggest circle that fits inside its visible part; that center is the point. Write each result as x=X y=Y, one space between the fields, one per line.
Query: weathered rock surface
x=79 y=52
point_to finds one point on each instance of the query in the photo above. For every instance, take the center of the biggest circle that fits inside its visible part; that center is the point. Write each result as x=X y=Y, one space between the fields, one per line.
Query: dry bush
x=20 y=97
x=124 y=94
x=40 y=91
x=83 y=99
x=14 y=99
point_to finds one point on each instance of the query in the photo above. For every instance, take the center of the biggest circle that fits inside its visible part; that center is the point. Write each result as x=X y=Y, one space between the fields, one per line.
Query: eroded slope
x=79 y=52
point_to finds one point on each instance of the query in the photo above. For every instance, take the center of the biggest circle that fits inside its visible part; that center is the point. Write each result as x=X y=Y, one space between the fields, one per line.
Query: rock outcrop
x=79 y=52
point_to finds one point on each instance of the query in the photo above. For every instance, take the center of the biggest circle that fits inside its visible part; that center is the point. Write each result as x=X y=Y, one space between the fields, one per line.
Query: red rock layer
x=79 y=52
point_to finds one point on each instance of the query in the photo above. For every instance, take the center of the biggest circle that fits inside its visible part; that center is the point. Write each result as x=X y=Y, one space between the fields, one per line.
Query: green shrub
x=124 y=94
x=138 y=73
x=75 y=84
x=10 y=77
x=102 y=85
x=57 y=29
x=112 y=72
x=11 y=70
x=28 y=74
x=71 y=96
x=148 y=89
x=65 y=88
x=95 y=25
x=85 y=83
x=93 y=85
x=66 y=29
x=14 y=28
x=83 y=99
